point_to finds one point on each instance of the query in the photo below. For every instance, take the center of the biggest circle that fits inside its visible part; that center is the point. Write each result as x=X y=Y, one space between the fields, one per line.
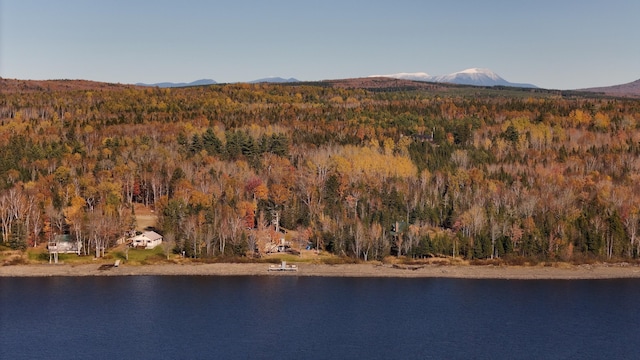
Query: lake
x=273 y=317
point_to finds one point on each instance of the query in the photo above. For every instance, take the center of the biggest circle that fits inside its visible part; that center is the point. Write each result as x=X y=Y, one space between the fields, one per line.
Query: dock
x=109 y=266
x=283 y=267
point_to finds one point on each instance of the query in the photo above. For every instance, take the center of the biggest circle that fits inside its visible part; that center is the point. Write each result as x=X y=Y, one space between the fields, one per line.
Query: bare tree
x=212 y=230
x=495 y=229
x=190 y=230
x=36 y=224
x=95 y=231
x=5 y=217
x=168 y=244
x=236 y=226
x=360 y=237
x=412 y=239
x=631 y=222
x=374 y=235
x=56 y=218
x=224 y=234
x=102 y=231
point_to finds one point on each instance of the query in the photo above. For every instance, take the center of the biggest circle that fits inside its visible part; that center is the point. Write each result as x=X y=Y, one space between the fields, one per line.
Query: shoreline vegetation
x=552 y=271
x=309 y=263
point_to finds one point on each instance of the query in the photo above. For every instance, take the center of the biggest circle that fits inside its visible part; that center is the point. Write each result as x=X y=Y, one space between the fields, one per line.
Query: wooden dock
x=283 y=267
x=109 y=266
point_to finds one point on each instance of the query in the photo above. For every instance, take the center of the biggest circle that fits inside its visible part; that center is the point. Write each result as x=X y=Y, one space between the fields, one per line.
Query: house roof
x=152 y=235
x=148 y=236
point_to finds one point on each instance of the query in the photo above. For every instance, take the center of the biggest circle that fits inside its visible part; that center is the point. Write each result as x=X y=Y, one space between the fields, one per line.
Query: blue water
x=317 y=318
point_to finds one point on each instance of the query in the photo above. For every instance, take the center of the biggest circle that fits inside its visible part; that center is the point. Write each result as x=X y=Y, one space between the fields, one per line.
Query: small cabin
x=146 y=240
x=62 y=244
x=423 y=138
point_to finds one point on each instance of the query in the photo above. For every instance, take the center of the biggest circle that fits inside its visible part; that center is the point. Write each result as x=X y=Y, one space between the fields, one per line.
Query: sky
x=556 y=44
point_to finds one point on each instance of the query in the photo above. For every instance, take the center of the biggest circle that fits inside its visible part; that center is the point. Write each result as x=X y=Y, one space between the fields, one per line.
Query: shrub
x=494 y=262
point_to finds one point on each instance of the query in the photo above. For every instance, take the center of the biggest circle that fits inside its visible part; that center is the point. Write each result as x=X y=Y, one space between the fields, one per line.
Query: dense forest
x=361 y=173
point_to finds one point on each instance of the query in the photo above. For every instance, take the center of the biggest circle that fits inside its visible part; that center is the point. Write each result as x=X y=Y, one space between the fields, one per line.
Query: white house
x=62 y=244
x=147 y=240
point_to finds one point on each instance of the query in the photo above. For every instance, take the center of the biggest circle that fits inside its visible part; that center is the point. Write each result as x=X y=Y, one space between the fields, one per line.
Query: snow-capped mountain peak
x=475 y=71
x=472 y=76
x=480 y=72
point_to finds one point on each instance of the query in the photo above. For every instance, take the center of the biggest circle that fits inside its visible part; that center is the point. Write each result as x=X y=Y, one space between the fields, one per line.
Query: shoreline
x=567 y=272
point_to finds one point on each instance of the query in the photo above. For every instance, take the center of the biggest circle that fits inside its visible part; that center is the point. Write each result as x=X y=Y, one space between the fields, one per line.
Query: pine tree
x=196 y=145
x=18 y=236
x=211 y=143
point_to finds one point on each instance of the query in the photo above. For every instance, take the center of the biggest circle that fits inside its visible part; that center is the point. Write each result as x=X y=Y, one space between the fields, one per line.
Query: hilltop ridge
x=631 y=89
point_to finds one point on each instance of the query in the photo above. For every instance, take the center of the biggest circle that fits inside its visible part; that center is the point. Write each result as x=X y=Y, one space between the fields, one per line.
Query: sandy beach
x=567 y=272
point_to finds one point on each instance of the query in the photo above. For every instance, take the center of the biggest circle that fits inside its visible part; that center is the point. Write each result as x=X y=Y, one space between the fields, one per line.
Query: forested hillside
x=466 y=172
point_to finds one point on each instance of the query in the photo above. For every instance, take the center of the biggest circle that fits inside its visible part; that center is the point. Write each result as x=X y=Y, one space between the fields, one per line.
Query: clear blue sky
x=561 y=44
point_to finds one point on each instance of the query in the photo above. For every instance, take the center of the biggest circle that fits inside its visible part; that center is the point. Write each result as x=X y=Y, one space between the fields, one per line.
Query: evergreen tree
x=196 y=145
x=511 y=134
x=249 y=148
x=18 y=236
x=279 y=145
x=211 y=143
x=233 y=147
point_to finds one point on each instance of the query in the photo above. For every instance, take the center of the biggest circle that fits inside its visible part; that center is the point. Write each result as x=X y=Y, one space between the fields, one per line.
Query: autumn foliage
x=473 y=173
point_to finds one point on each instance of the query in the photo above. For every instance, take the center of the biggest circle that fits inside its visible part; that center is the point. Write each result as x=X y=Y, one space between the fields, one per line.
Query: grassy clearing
x=138 y=256
x=40 y=255
x=307 y=257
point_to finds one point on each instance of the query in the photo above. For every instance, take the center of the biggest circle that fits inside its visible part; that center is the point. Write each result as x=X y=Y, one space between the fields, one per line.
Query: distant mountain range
x=274 y=79
x=171 y=84
x=473 y=76
x=202 y=82
x=398 y=81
